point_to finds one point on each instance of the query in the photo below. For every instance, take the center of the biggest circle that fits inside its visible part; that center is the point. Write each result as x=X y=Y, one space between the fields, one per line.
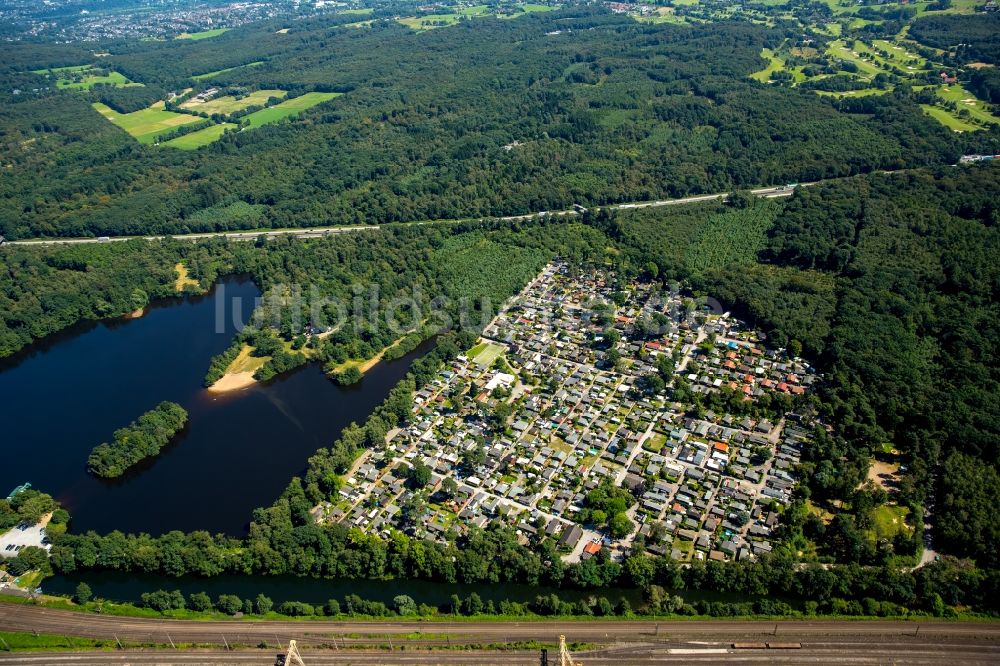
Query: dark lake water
x=117 y=586
x=64 y=396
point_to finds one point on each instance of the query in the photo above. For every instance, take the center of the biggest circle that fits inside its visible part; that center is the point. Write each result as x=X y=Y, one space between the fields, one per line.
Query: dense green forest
x=45 y=290
x=486 y=118
x=894 y=282
x=138 y=441
x=973 y=36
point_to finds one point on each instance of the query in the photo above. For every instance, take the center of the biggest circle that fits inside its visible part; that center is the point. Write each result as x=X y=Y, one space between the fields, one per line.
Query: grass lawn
x=655 y=443
x=147 y=124
x=244 y=362
x=78 y=77
x=202 y=137
x=773 y=66
x=204 y=34
x=484 y=354
x=229 y=104
x=288 y=108
x=87 y=82
x=966 y=100
x=948 y=119
x=17 y=640
x=852 y=93
x=857 y=53
x=888 y=521
x=208 y=75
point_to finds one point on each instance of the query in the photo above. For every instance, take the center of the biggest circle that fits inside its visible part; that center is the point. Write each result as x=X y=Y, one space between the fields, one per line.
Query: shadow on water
x=69 y=393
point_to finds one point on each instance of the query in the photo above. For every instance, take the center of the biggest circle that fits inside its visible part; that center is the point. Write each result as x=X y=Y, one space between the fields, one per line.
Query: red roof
x=592 y=548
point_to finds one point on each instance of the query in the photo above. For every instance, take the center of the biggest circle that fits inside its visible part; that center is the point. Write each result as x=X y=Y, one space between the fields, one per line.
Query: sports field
x=288 y=108
x=147 y=124
x=202 y=137
x=230 y=104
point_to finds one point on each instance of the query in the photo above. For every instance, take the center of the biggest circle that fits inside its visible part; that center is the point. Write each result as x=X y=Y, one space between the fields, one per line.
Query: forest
x=138 y=441
x=46 y=290
x=487 y=118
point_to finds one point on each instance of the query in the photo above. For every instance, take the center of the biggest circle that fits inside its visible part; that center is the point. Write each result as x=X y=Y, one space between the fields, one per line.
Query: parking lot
x=17 y=538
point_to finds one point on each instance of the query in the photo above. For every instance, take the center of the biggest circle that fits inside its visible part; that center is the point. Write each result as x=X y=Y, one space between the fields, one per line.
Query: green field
x=77 y=77
x=775 y=63
x=208 y=75
x=948 y=119
x=230 y=104
x=288 y=108
x=204 y=34
x=485 y=353
x=890 y=520
x=202 y=137
x=857 y=53
x=966 y=100
x=147 y=124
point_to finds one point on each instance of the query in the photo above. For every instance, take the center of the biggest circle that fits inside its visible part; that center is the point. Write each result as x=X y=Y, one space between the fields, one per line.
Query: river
x=128 y=587
x=67 y=394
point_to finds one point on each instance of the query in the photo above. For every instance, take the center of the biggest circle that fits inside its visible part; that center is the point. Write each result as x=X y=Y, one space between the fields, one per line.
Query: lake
x=67 y=394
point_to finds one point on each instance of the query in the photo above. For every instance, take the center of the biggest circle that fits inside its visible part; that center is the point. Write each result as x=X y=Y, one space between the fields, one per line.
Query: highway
x=318 y=232
x=621 y=642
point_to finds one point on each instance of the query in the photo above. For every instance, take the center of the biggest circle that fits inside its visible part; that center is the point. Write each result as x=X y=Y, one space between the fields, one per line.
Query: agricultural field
x=288 y=108
x=84 y=77
x=230 y=104
x=208 y=75
x=146 y=125
x=204 y=34
x=202 y=137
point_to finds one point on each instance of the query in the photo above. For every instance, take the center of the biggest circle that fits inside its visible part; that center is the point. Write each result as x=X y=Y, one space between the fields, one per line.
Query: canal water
x=127 y=587
x=64 y=396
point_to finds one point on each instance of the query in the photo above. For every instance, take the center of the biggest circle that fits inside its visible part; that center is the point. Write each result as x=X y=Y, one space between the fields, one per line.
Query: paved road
x=318 y=232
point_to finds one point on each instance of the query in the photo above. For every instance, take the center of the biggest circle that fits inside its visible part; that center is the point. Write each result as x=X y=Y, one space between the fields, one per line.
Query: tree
x=262 y=604
x=419 y=475
x=620 y=526
x=449 y=487
x=230 y=604
x=199 y=601
x=404 y=605
x=83 y=593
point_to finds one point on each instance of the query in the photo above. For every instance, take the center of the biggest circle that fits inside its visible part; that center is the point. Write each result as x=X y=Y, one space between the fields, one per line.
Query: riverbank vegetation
x=141 y=439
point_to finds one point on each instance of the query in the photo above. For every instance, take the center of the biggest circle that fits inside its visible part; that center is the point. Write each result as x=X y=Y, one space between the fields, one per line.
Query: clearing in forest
x=288 y=108
x=146 y=125
x=231 y=104
x=200 y=138
x=84 y=77
x=204 y=34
